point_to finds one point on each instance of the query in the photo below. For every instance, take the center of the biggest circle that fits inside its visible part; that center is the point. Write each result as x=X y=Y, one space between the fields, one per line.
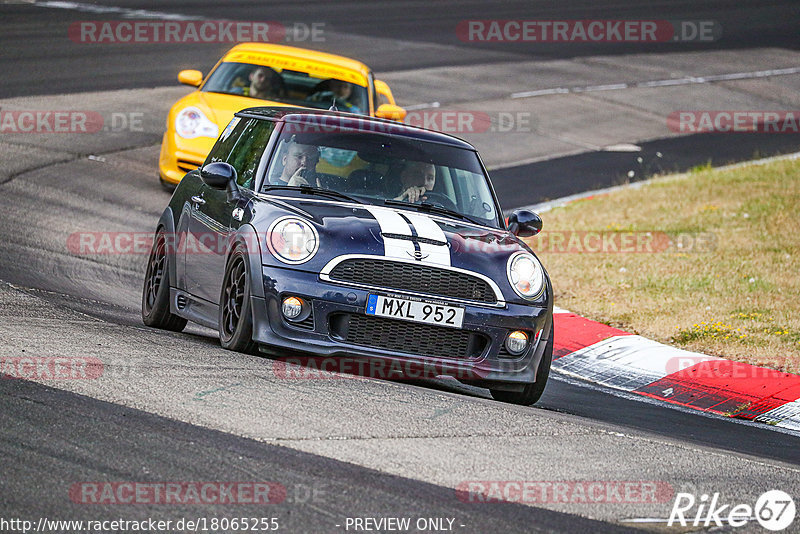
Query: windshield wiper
x=427 y=206
x=311 y=190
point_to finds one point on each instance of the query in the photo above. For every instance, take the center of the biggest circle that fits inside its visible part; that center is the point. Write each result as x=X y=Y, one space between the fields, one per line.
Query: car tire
x=235 y=315
x=155 y=293
x=534 y=390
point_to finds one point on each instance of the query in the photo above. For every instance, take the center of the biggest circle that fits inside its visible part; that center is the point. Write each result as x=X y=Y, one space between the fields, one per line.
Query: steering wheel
x=432 y=197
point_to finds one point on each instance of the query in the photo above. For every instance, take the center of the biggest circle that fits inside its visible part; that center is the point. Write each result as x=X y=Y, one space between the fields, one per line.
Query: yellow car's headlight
x=526 y=275
x=190 y=123
x=292 y=240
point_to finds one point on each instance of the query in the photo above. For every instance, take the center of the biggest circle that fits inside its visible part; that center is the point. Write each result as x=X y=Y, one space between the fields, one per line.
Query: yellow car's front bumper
x=178 y=158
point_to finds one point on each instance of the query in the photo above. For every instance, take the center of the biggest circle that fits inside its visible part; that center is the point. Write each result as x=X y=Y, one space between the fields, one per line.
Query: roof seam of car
x=404 y=130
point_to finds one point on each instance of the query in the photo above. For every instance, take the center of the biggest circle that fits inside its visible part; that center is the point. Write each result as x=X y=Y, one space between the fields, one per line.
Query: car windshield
x=383 y=169
x=287 y=86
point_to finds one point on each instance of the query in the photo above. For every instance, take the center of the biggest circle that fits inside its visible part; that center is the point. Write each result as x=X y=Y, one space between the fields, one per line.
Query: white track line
x=123 y=12
x=686 y=80
x=550 y=204
x=415 y=107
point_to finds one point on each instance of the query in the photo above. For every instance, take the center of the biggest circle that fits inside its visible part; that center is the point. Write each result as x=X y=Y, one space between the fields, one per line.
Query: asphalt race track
x=417 y=35
x=177 y=408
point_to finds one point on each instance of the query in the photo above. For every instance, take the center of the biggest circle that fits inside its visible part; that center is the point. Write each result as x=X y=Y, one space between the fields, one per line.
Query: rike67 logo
x=774 y=510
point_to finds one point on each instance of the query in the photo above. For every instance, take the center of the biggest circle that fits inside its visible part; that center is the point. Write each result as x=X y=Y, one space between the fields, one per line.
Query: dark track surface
x=686 y=426
x=58 y=439
x=55 y=438
x=537 y=182
x=38 y=57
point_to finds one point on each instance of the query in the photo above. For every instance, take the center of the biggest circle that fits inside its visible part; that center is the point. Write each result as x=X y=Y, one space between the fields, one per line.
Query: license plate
x=414 y=310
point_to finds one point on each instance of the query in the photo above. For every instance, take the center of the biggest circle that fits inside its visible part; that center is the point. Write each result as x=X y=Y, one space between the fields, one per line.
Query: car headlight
x=526 y=275
x=292 y=240
x=190 y=123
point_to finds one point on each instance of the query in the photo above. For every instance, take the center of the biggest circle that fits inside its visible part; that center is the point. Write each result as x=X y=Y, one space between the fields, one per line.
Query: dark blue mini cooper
x=339 y=236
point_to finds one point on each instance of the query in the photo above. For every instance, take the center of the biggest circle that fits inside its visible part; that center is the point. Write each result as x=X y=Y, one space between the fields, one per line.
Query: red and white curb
x=604 y=355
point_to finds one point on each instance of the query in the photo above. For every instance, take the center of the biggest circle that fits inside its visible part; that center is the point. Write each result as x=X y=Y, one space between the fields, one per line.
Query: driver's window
x=227 y=140
x=247 y=153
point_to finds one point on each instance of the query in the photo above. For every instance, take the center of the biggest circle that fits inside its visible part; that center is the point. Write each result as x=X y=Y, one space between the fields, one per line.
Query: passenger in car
x=338 y=92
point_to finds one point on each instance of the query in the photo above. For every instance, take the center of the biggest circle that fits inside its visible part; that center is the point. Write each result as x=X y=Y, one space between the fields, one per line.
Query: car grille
x=404 y=336
x=187 y=166
x=416 y=278
x=307 y=323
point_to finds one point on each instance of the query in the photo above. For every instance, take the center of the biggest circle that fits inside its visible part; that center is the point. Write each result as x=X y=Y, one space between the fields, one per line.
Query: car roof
x=327 y=119
x=301 y=53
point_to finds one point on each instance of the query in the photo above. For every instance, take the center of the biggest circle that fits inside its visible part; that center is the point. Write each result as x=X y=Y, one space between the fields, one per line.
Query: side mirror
x=392 y=112
x=218 y=175
x=221 y=176
x=524 y=223
x=190 y=77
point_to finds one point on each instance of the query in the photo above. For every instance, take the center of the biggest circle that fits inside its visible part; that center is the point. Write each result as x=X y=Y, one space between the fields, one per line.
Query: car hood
x=219 y=108
x=399 y=234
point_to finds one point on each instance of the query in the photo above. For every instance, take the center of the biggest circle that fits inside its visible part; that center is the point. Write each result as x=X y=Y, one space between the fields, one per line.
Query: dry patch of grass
x=707 y=261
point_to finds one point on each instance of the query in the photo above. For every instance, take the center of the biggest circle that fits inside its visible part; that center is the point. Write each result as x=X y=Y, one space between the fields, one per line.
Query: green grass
x=732 y=290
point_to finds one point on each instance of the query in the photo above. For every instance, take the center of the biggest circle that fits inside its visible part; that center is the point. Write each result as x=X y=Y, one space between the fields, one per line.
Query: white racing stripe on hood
x=427 y=228
x=391 y=222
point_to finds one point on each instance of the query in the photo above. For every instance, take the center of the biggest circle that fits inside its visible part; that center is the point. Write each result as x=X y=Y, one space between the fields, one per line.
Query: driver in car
x=264 y=83
x=416 y=179
x=299 y=163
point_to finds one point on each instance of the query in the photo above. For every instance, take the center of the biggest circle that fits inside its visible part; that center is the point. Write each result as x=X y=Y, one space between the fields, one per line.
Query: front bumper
x=176 y=160
x=330 y=302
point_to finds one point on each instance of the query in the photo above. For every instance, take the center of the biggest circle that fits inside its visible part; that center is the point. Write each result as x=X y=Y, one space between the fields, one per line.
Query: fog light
x=517 y=342
x=292 y=307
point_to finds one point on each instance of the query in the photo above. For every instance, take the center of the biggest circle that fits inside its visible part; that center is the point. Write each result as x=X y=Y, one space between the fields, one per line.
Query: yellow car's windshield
x=287 y=86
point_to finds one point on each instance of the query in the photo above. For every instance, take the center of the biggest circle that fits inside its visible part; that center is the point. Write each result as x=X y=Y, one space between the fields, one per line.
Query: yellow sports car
x=277 y=74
